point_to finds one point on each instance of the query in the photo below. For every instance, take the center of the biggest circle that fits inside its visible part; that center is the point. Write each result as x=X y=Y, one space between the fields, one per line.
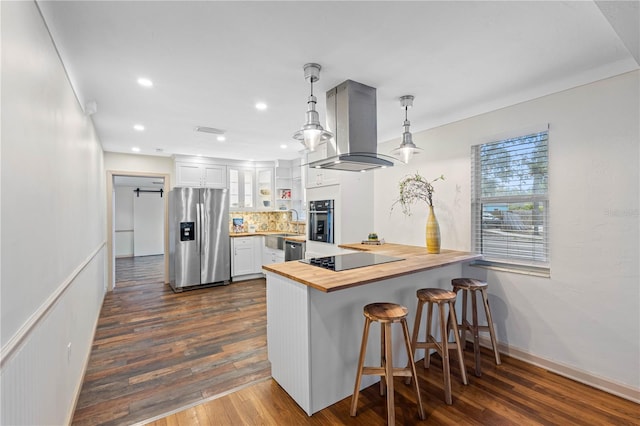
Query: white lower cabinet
x=246 y=257
x=270 y=255
x=248 y=254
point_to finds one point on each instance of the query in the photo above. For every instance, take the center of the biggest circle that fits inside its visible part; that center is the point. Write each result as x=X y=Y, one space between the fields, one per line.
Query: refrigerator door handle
x=198 y=227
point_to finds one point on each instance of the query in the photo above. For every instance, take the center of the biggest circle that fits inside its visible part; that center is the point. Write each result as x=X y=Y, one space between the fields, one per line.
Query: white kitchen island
x=315 y=320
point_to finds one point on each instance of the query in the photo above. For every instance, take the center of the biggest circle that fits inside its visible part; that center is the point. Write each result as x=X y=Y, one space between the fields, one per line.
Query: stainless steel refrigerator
x=199 y=237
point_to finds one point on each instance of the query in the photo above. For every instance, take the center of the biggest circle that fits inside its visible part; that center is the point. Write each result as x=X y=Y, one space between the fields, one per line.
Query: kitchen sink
x=276 y=241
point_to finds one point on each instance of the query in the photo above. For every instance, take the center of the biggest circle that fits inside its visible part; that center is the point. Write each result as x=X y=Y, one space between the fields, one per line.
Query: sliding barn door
x=148 y=224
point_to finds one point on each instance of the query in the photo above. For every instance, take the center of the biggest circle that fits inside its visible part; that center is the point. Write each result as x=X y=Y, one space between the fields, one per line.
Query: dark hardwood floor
x=514 y=393
x=156 y=351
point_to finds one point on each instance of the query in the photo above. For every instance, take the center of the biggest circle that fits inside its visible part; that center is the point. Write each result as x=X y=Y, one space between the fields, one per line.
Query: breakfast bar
x=315 y=320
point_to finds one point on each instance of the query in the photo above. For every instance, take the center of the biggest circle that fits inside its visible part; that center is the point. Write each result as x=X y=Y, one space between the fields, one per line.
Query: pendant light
x=312 y=133
x=407 y=148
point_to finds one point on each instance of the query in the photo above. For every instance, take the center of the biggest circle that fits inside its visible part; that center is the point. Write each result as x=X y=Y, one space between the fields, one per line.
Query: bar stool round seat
x=386 y=314
x=469 y=283
x=439 y=298
x=473 y=286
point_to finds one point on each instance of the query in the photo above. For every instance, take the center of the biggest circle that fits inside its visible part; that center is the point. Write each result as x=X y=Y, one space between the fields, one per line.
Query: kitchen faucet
x=296 y=212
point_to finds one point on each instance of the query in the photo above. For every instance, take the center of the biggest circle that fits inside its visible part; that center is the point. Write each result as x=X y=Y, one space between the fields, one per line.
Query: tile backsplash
x=268 y=221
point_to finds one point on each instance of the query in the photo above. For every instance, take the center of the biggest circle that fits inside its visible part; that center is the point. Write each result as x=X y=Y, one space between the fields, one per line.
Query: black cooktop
x=343 y=262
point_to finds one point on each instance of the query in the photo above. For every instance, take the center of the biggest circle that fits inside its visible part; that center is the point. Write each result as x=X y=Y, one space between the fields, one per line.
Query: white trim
x=586 y=377
x=543 y=272
x=84 y=371
x=111 y=222
x=17 y=339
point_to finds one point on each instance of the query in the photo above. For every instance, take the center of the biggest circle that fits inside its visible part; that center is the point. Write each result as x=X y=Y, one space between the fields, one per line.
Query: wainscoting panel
x=288 y=337
x=42 y=374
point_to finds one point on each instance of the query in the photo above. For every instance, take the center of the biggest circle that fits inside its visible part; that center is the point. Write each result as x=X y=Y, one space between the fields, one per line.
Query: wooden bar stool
x=470 y=285
x=440 y=298
x=386 y=314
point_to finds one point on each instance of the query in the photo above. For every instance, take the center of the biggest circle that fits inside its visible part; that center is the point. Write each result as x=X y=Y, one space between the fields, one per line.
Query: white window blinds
x=510 y=205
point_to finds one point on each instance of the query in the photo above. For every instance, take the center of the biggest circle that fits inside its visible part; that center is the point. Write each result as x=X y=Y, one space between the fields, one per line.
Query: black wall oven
x=321 y=221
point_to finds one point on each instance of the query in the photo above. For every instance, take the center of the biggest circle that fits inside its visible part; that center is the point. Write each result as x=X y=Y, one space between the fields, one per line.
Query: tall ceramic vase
x=433 y=233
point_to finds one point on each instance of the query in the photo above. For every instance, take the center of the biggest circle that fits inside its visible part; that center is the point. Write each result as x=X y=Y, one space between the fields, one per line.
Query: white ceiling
x=211 y=61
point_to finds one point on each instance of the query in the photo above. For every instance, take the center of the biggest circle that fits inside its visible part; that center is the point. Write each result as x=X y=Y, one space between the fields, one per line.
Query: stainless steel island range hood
x=351 y=117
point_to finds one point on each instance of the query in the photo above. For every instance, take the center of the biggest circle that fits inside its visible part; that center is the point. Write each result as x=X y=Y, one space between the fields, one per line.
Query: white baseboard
x=246 y=277
x=84 y=369
x=582 y=376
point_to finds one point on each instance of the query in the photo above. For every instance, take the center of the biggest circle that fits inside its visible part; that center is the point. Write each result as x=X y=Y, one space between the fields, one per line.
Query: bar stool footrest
x=381 y=371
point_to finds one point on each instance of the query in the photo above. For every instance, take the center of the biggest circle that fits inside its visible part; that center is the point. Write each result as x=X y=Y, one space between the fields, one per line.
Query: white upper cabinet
x=241 y=188
x=264 y=185
x=250 y=188
x=215 y=176
x=188 y=174
x=265 y=188
x=283 y=194
x=289 y=193
x=200 y=174
x=320 y=177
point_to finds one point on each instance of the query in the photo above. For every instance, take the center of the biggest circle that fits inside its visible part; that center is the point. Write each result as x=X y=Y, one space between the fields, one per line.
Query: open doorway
x=137 y=222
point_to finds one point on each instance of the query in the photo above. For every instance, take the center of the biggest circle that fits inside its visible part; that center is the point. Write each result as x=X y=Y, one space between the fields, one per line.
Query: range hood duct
x=351 y=117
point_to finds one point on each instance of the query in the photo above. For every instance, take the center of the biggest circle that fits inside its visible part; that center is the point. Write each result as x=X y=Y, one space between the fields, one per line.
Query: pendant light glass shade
x=312 y=133
x=407 y=148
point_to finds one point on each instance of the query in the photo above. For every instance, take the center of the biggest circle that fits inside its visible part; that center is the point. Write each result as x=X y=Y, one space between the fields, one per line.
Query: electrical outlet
x=69 y=352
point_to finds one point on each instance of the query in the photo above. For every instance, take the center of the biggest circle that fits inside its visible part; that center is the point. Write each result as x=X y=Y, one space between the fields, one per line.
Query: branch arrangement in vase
x=414 y=188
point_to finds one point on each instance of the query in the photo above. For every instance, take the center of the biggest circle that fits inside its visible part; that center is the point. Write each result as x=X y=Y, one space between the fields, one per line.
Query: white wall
x=123 y=221
x=585 y=318
x=140 y=164
x=53 y=227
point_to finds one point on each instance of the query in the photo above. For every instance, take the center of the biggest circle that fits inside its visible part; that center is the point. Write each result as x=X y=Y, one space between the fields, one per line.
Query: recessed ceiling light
x=135 y=149
x=145 y=82
x=283 y=146
x=221 y=138
x=138 y=127
x=261 y=106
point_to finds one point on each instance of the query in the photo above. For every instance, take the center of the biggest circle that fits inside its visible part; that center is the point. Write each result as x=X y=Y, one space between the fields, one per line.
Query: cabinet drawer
x=243 y=241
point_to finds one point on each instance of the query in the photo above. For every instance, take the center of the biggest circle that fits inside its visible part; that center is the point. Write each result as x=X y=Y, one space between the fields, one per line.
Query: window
x=510 y=204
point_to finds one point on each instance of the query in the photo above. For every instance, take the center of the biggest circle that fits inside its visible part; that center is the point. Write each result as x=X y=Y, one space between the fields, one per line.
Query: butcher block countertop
x=415 y=259
x=301 y=237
